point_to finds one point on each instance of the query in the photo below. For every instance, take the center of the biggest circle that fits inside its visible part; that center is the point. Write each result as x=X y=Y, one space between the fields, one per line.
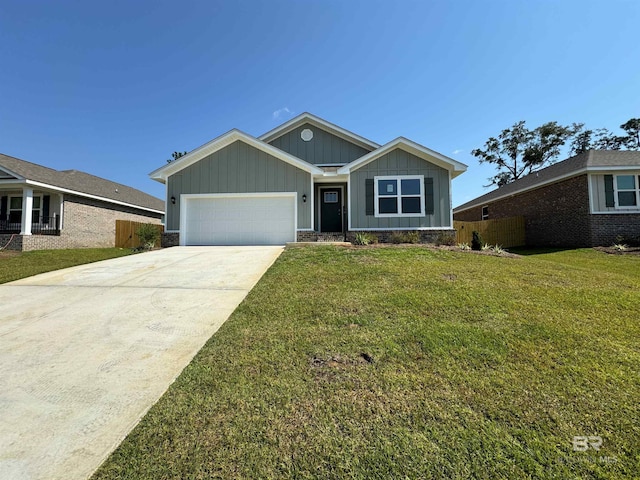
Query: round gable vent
x=306 y=134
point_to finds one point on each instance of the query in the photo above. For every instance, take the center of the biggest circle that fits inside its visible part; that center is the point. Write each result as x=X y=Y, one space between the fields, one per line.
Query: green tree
x=518 y=151
x=632 y=130
x=603 y=139
x=175 y=156
x=598 y=139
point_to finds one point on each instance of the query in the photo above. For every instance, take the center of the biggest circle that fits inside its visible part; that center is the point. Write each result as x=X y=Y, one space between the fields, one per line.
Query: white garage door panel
x=254 y=220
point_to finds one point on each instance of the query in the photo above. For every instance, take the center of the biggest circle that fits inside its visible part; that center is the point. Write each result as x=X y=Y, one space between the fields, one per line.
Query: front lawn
x=379 y=363
x=16 y=265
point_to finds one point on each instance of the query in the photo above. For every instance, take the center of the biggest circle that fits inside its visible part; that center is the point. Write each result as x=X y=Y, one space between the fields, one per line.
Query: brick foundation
x=10 y=241
x=170 y=239
x=607 y=230
x=426 y=236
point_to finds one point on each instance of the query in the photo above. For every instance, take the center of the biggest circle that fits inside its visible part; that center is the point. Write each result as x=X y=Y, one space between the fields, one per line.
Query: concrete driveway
x=86 y=351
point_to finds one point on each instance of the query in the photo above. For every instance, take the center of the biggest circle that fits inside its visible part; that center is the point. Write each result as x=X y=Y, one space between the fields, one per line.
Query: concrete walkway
x=86 y=351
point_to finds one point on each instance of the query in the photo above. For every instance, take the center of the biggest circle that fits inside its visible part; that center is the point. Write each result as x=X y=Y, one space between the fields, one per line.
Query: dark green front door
x=331 y=210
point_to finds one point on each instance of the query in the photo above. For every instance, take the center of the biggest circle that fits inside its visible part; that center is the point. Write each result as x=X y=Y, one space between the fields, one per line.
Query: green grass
x=409 y=363
x=16 y=265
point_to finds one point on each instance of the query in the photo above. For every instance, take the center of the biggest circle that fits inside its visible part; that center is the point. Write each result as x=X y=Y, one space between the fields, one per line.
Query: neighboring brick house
x=588 y=200
x=42 y=208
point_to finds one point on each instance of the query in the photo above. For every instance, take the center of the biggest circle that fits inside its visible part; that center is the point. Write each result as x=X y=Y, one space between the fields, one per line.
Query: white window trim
x=9 y=209
x=376 y=203
x=636 y=190
x=484 y=217
x=39 y=209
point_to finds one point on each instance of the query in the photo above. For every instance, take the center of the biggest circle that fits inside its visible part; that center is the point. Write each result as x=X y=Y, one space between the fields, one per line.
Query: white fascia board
x=453 y=166
x=162 y=173
x=320 y=123
x=613 y=170
x=88 y=195
x=330 y=178
x=12 y=181
x=9 y=172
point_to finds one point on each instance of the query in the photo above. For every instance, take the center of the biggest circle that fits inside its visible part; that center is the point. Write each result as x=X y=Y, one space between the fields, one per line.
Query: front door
x=331 y=210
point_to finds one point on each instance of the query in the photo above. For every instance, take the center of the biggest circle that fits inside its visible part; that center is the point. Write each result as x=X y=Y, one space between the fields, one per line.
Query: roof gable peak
x=329 y=127
x=233 y=135
x=455 y=167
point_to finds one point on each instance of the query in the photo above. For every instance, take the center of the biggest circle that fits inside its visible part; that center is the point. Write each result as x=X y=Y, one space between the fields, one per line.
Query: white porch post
x=27 y=209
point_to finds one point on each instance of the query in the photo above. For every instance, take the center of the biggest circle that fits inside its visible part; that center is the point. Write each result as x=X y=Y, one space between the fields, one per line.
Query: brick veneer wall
x=618 y=228
x=555 y=215
x=87 y=223
x=11 y=241
x=170 y=239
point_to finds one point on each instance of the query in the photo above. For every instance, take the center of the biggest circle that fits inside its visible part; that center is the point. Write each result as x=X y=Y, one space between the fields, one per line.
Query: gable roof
x=77 y=183
x=322 y=124
x=453 y=166
x=590 y=161
x=161 y=174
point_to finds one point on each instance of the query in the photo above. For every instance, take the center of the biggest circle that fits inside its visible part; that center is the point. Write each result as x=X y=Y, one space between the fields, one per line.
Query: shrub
x=412 y=237
x=363 y=238
x=148 y=235
x=498 y=249
x=619 y=247
x=397 y=237
x=464 y=246
x=444 y=239
x=486 y=247
x=476 y=241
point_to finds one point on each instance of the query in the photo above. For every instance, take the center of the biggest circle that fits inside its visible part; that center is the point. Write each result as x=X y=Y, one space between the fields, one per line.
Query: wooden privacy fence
x=506 y=232
x=126 y=233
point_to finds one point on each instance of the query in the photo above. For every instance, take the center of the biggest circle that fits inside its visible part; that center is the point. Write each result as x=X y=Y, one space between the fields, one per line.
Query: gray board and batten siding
x=323 y=149
x=400 y=162
x=239 y=168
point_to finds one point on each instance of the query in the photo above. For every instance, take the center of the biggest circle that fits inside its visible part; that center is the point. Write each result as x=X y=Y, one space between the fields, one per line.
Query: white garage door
x=251 y=219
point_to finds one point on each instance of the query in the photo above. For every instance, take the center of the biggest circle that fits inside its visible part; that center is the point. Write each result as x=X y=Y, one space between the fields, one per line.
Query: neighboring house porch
x=29 y=212
x=42 y=208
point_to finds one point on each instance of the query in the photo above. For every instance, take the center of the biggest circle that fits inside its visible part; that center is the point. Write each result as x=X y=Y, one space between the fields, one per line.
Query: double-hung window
x=627 y=188
x=399 y=196
x=15 y=209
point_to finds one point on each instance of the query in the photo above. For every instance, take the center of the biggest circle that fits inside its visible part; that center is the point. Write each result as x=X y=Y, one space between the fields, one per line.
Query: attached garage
x=238 y=219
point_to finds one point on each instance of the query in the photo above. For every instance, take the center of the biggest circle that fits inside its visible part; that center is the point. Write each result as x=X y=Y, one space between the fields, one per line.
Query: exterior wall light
x=304 y=198
x=173 y=200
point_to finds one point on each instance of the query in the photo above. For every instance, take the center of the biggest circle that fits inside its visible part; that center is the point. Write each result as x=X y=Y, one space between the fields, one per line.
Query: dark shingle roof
x=592 y=158
x=81 y=182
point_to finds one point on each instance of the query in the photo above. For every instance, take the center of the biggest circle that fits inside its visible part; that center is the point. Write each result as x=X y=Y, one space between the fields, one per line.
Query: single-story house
x=304 y=180
x=42 y=208
x=591 y=199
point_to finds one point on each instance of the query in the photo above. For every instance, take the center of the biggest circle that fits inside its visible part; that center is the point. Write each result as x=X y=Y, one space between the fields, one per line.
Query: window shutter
x=3 y=207
x=46 y=200
x=608 y=191
x=429 y=204
x=368 y=193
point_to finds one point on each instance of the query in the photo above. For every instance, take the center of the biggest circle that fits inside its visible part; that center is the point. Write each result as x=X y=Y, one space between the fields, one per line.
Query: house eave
x=453 y=166
x=88 y=195
x=161 y=174
x=322 y=124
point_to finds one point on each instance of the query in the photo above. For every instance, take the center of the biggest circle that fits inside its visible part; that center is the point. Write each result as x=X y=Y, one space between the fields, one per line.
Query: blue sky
x=112 y=88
